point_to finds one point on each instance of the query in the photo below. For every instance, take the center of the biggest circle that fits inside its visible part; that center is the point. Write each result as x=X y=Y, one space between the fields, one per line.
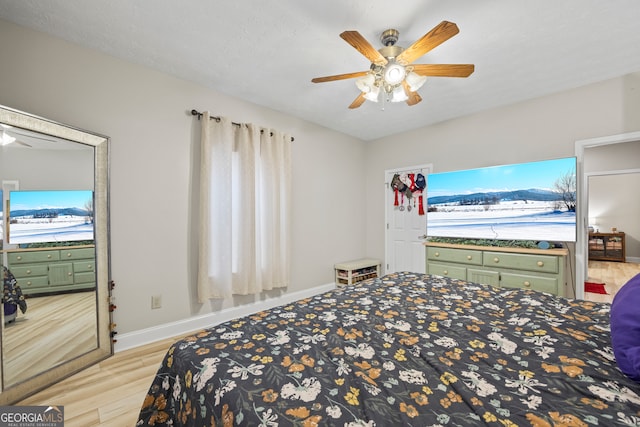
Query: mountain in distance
x=48 y=213
x=532 y=194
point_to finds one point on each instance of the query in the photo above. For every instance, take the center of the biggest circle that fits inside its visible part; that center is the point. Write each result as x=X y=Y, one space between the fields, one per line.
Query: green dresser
x=538 y=269
x=52 y=270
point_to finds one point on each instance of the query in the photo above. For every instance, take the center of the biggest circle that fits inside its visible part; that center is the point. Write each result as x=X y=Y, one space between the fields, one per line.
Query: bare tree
x=566 y=186
x=88 y=206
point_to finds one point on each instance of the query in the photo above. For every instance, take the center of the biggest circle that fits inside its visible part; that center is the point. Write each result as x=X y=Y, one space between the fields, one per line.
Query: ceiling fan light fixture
x=415 y=81
x=398 y=95
x=373 y=94
x=6 y=139
x=394 y=73
x=366 y=83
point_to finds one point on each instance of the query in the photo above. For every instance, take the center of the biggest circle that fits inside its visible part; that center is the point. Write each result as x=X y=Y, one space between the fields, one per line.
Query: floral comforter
x=404 y=349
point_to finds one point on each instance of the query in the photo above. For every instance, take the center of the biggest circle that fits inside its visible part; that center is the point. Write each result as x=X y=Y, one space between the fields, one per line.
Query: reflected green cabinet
x=538 y=269
x=40 y=271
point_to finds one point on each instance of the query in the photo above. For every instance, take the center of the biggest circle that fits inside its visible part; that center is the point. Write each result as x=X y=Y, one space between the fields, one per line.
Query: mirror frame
x=104 y=348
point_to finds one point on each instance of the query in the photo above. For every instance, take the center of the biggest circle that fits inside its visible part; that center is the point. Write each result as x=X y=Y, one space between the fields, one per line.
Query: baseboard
x=141 y=337
x=632 y=259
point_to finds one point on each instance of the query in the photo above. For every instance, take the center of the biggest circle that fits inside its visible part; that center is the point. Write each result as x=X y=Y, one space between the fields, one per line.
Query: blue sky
x=522 y=176
x=50 y=199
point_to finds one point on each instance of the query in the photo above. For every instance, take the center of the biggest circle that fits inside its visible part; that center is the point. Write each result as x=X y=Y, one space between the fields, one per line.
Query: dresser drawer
x=28 y=283
x=466 y=256
x=84 y=278
x=544 y=284
x=541 y=263
x=84 y=266
x=448 y=271
x=30 y=271
x=35 y=256
x=67 y=254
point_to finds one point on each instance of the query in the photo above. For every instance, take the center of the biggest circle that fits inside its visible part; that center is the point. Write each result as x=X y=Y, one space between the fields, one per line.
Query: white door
x=405 y=227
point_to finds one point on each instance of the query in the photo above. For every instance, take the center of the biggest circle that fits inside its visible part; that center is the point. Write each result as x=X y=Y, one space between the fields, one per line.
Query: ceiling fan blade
x=413 y=97
x=444 y=70
x=361 y=44
x=339 y=77
x=358 y=101
x=438 y=35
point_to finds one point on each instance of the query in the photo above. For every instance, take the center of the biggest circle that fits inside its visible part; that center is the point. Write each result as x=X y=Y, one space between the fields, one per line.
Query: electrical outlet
x=156 y=301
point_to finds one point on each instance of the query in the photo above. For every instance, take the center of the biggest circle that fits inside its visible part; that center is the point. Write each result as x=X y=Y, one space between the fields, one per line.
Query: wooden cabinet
x=538 y=269
x=40 y=271
x=607 y=247
x=348 y=273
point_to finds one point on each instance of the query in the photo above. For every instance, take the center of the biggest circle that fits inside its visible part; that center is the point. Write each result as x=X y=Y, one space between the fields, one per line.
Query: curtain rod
x=195 y=112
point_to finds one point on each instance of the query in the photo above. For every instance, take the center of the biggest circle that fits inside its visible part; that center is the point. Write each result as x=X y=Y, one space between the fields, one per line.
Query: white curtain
x=245 y=205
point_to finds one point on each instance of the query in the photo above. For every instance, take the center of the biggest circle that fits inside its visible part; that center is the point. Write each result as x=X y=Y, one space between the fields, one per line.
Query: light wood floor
x=613 y=274
x=55 y=328
x=111 y=392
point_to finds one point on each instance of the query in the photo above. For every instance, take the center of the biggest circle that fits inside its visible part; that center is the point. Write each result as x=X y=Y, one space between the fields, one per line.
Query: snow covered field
x=61 y=229
x=517 y=220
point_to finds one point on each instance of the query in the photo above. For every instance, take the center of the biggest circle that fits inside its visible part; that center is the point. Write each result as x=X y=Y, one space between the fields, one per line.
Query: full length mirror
x=55 y=252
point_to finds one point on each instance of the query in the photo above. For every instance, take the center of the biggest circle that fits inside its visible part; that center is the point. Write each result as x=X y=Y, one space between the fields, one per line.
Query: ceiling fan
x=6 y=139
x=22 y=137
x=392 y=76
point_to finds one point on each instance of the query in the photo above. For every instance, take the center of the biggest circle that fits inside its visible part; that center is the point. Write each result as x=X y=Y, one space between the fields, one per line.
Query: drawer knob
x=469 y=257
x=28 y=271
x=90 y=267
x=496 y=260
x=446 y=272
x=527 y=284
x=19 y=257
x=28 y=283
x=540 y=263
x=436 y=254
x=69 y=274
x=68 y=254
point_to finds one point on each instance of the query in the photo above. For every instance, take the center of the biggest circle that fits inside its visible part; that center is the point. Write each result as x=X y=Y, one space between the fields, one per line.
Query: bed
x=404 y=349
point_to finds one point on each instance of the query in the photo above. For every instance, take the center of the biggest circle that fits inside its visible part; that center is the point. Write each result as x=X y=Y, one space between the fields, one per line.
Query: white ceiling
x=267 y=52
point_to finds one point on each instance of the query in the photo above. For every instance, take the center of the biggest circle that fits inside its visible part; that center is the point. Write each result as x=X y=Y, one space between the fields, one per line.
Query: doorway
x=405 y=223
x=597 y=157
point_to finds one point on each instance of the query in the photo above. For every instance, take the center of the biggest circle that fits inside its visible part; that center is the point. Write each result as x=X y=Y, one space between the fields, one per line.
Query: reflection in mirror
x=46 y=212
x=54 y=245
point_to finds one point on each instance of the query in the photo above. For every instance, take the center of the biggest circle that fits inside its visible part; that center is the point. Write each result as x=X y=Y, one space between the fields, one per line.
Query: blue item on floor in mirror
x=10 y=312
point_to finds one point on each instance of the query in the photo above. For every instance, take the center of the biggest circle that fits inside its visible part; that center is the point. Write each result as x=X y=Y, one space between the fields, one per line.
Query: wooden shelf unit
x=607 y=247
x=350 y=272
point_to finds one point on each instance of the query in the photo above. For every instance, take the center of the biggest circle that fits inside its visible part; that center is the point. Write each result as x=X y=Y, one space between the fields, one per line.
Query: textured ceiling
x=267 y=52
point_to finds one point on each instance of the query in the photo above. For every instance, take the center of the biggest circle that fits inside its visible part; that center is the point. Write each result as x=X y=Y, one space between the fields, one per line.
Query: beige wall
x=613 y=181
x=538 y=129
x=155 y=145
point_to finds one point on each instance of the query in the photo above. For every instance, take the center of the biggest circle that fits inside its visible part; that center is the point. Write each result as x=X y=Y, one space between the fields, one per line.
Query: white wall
x=613 y=196
x=154 y=158
x=56 y=169
x=613 y=206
